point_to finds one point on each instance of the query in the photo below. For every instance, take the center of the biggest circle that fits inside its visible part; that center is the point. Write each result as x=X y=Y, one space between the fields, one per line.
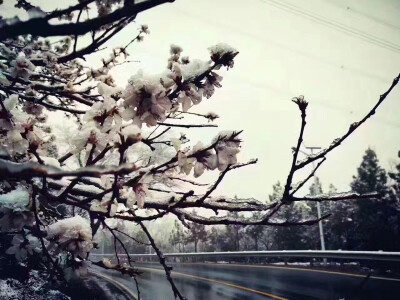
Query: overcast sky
x=340 y=54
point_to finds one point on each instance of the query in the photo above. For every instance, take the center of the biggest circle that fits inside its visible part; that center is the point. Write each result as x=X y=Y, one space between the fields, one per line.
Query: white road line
x=120 y=285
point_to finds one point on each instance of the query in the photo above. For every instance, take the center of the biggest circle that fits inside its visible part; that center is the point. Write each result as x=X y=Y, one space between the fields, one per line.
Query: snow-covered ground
x=34 y=289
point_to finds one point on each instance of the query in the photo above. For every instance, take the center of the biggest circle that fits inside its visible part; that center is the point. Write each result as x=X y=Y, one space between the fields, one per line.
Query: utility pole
x=321 y=229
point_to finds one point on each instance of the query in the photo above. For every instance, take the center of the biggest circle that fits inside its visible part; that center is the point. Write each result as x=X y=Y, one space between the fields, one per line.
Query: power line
x=333 y=24
x=365 y=15
x=273 y=43
x=313 y=102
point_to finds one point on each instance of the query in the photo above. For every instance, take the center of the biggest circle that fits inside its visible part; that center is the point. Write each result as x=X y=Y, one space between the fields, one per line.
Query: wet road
x=249 y=282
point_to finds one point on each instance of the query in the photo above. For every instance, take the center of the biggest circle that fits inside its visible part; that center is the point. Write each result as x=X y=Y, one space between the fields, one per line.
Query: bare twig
x=163 y=262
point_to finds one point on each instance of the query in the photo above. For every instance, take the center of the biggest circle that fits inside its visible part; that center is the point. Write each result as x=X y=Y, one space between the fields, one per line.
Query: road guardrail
x=336 y=254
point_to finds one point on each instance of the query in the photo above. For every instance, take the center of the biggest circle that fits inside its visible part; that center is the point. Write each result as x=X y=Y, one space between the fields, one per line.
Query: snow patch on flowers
x=16 y=200
x=72 y=234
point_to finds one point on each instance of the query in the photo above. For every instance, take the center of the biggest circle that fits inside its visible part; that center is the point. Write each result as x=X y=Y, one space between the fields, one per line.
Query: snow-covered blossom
x=107 y=90
x=211 y=116
x=106 y=182
x=185 y=60
x=105 y=206
x=50 y=59
x=16 y=200
x=186 y=102
x=92 y=73
x=22 y=67
x=21 y=246
x=15 y=207
x=32 y=108
x=198 y=169
x=103 y=113
x=212 y=80
x=145 y=28
x=16 y=143
x=226 y=154
x=107 y=79
x=63 y=45
x=90 y=135
x=175 y=49
x=204 y=159
x=104 y=7
x=227 y=148
x=223 y=54
x=141 y=192
x=20 y=128
x=128 y=194
x=11 y=102
x=131 y=134
x=189 y=96
x=72 y=234
x=148 y=97
x=138 y=192
x=194 y=68
x=221 y=49
x=185 y=163
x=140 y=38
x=176 y=143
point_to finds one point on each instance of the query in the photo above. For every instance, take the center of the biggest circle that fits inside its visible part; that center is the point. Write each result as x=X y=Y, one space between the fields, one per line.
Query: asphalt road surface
x=254 y=282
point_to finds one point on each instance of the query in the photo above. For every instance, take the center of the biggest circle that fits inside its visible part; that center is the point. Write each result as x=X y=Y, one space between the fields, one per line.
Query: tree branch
x=163 y=262
x=41 y=26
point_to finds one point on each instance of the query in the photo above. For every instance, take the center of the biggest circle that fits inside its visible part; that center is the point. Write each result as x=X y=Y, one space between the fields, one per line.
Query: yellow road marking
x=121 y=286
x=218 y=282
x=296 y=269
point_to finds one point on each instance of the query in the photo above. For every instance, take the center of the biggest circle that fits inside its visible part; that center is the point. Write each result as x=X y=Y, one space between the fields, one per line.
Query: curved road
x=253 y=282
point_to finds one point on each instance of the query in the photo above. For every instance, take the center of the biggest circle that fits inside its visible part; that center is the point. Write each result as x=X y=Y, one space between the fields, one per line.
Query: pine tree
x=214 y=240
x=196 y=234
x=376 y=220
x=255 y=232
x=177 y=236
x=233 y=235
x=339 y=227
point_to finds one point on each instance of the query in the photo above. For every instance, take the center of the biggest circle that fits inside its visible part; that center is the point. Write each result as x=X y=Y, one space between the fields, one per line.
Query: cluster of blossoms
x=148 y=99
x=37 y=79
x=201 y=158
x=15 y=211
x=72 y=234
x=104 y=7
x=22 y=67
x=21 y=125
x=15 y=207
